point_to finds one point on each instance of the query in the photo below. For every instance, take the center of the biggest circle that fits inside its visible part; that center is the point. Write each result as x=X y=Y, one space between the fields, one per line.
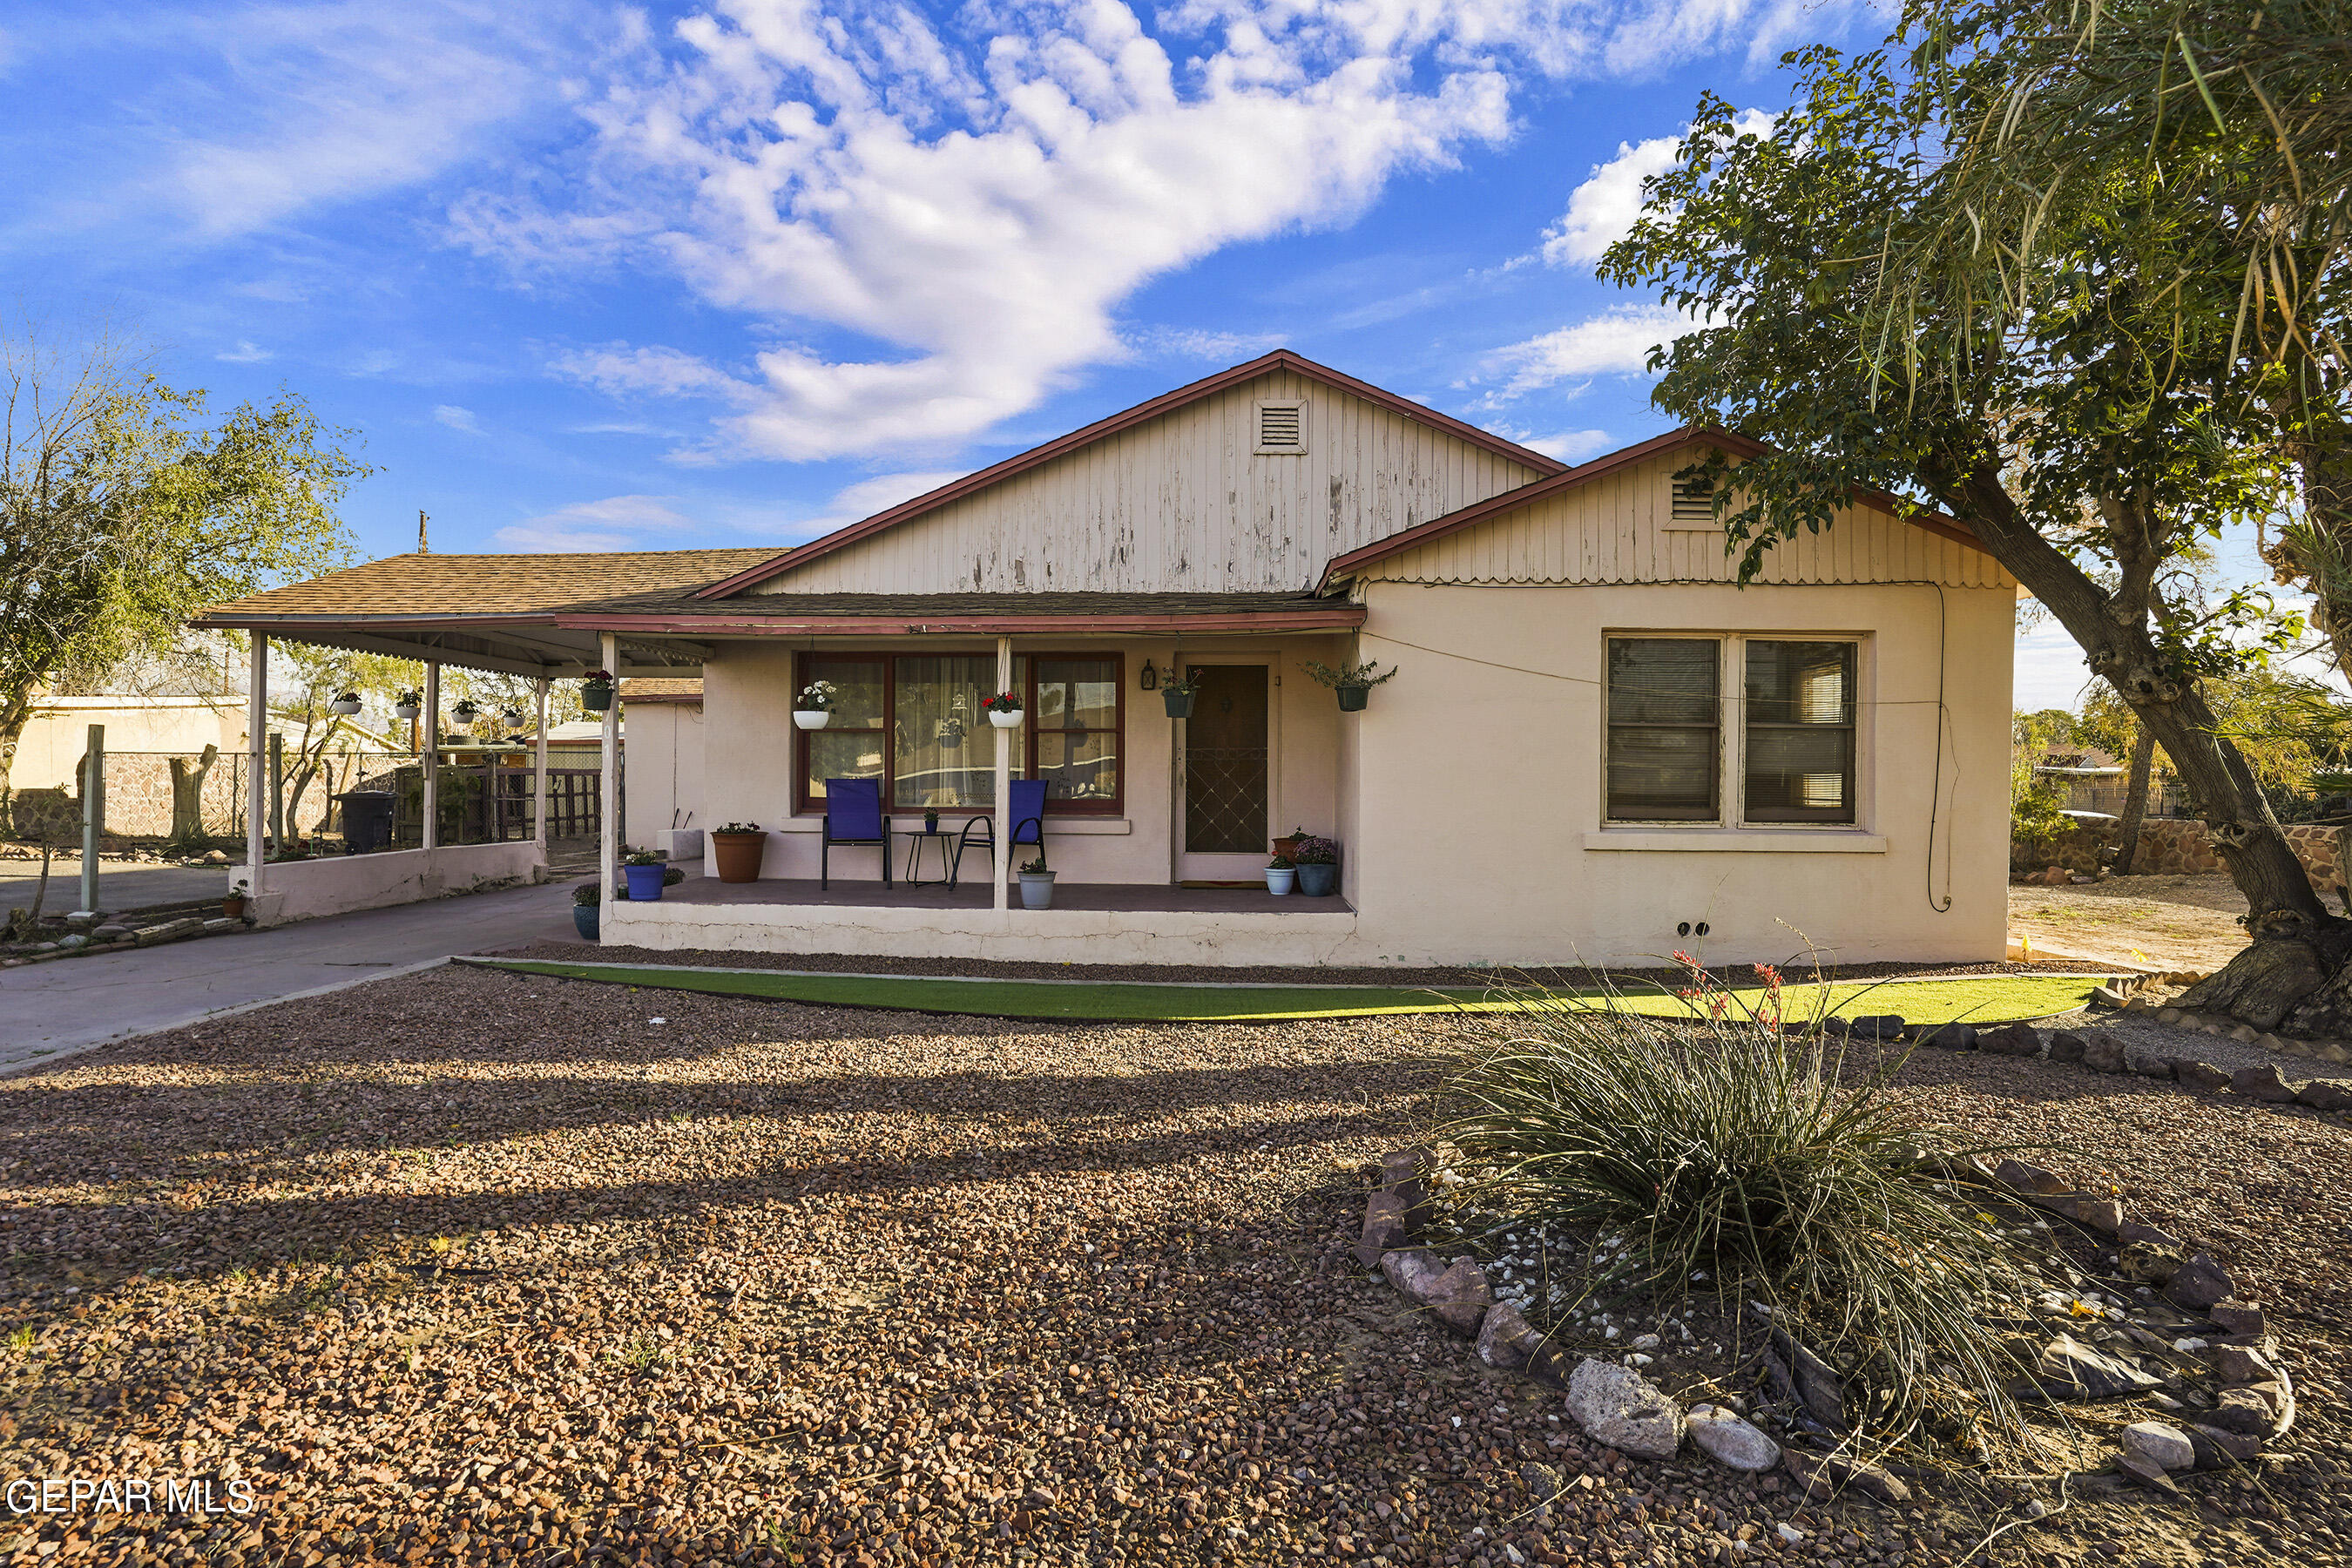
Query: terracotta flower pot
x=739 y=854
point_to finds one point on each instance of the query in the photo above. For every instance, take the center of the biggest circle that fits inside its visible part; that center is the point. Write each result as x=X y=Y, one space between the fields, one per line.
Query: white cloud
x=854 y=503
x=946 y=222
x=1602 y=209
x=461 y=420
x=1615 y=343
x=245 y=353
x=614 y=522
x=1567 y=446
x=1193 y=342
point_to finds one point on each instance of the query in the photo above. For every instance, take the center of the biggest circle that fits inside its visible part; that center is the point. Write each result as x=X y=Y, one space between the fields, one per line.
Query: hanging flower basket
x=813 y=708
x=1176 y=691
x=1353 y=697
x=596 y=691
x=407 y=705
x=812 y=718
x=1353 y=682
x=347 y=704
x=1003 y=710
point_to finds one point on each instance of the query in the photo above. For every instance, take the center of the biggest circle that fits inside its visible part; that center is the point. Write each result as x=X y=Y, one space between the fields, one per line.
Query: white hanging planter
x=812 y=718
x=1004 y=721
x=346 y=708
x=406 y=709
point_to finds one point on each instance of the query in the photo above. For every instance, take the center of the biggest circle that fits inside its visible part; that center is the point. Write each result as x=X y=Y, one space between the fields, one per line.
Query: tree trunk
x=2143 y=761
x=15 y=713
x=188 y=795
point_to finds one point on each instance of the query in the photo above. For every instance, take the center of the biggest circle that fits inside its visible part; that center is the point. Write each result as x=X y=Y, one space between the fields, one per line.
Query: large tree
x=126 y=506
x=2075 y=429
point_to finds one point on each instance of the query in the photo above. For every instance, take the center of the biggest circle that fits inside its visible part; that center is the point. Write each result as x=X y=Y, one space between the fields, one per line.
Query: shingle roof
x=465 y=585
x=657 y=690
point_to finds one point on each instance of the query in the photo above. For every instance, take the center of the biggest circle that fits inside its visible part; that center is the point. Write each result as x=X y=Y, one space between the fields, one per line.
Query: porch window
x=1791 y=746
x=915 y=722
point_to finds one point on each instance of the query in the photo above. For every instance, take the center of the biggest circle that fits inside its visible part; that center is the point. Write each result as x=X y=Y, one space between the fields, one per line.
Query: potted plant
x=1176 y=691
x=586 y=915
x=738 y=848
x=813 y=708
x=1319 y=865
x=347 y=704
x=643 y=869
x=1004 y=713
x=1280 y=874
x=1286 y=847
x=596 y=691
x=1353 y=682
x=1037 y=885
x=513 y=717
x=465 y=712
x=234 y=904
x=930 y=822
x=408 y=705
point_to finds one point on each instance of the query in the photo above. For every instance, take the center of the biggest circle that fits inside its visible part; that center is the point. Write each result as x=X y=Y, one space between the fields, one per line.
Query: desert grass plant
x=1736 y=1146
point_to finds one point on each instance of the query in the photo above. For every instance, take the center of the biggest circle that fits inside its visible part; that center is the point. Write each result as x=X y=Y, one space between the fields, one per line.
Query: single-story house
x=1596 y=745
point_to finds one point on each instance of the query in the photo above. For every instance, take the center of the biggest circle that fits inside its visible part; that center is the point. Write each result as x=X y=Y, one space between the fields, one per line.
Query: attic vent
x=1282 y=428
x=1693 y=502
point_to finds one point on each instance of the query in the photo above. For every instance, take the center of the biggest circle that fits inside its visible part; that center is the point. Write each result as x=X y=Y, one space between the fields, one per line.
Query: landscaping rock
x=2066 y=1045
x=2132 y=1230
x=2263 y=1083
x=1876 y=1026
x=1825 y=1475
x=2239 y=1317
x=1620 y=1409
x=1956 y=1038
x=221 y=923
x=2200 y=1078
x=1505 y=1337
x=109 y=932
x=2011 y=1040
x=2200 y=1284
x=2320 y=1093
x=1461 y=1296
x=1408 y=1172
x=2020 y=1177
x=2146 y=1061
x=2075 y=1371
x=2147 y=1472
x=1543 y=1482
x=2244 y=1365
x=1731 y=1441
x=170 y=931
x=2103 y=1053
x=2263 y=1410
x=1384 y=1228
x=1413 y=1270
x=73 y=941
x=2147 y=1264
x=2218 y=1449
x=2165 y=1446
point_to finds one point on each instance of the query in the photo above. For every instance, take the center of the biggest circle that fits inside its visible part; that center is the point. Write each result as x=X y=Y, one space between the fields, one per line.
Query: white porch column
x=430 y=832
x=608 y=813
x=539 y=773
x=257 y=792
x=1004 y=777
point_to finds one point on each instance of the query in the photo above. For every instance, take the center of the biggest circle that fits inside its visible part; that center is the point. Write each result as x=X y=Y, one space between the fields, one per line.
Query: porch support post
x=429 y=833
x=93 y=812
x=539 y=773
x=257 y=790
x=1003 y=778
x=608 y=815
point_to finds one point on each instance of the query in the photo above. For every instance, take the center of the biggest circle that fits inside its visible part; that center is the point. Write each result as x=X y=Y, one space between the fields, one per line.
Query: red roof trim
x=1657 y=445
x=1167 y=402
x=1335 y=616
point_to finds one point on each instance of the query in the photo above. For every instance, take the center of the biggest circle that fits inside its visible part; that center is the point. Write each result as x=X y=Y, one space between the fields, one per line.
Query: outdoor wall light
x=1149 y=679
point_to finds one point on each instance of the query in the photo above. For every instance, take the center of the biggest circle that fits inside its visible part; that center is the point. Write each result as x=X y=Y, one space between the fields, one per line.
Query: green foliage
x=1725 y=1146
x=1348 y=674
x=2036 y=801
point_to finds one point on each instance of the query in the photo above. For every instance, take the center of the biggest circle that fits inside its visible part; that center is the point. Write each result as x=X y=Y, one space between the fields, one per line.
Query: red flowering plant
x=1002 y=702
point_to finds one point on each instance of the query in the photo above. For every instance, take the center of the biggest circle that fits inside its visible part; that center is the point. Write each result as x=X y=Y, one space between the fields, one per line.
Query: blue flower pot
x=644 y=882
x=586 y=918
x=1318 y=881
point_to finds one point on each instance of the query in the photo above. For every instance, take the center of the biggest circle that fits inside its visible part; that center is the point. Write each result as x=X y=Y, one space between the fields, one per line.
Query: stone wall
x=2180 y=846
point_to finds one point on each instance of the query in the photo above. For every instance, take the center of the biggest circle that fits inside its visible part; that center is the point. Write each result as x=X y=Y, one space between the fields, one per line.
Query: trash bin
x=367 y=820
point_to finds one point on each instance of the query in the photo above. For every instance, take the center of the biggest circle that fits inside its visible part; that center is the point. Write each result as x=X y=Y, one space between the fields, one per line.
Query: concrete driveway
x=121 y=885
x=50 y=1010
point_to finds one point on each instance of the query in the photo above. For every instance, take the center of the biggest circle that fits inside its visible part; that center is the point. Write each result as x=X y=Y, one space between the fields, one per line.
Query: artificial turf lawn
x=1979 y=999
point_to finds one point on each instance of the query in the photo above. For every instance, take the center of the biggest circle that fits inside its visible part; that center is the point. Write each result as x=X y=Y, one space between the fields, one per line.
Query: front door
x=1226 y=776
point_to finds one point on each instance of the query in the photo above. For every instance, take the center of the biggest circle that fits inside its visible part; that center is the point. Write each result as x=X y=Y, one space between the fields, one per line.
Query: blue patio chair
x=1028 y=826
x=853 y=815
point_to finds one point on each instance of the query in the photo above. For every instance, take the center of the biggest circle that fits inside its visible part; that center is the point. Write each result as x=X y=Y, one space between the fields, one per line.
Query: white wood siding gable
x=1182 y=503
x=1620 y=528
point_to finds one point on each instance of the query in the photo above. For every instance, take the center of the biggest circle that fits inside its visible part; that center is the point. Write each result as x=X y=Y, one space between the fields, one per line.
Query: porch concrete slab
x=121 y=885
x=50 y=1010
x=1138 y=896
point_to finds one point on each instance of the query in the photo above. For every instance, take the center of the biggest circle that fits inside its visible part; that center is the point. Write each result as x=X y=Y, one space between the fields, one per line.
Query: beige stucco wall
x=748 y=756
x=59 y=732
x=1477 y=832
x=665 y=759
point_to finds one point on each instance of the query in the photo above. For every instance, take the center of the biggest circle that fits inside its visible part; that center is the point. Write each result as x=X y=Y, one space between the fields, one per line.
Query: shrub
x=1721 y=1145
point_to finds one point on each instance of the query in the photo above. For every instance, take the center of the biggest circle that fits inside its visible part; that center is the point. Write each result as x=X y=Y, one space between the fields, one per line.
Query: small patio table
x=915 y=837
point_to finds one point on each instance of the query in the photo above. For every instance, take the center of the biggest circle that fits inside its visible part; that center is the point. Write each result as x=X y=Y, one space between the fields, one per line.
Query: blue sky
x=596 y=277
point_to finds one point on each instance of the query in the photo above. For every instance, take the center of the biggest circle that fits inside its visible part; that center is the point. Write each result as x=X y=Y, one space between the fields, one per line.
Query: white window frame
x=1731 y=734
x=1257 y=427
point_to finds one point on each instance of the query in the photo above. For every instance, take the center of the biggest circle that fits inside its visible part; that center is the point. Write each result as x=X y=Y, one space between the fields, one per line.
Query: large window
x=1673 y=739
x=915 y=722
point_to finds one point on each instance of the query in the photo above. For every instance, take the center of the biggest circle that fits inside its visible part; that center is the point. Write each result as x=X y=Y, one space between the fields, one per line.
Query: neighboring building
x=1598 y=747
x=661 y=722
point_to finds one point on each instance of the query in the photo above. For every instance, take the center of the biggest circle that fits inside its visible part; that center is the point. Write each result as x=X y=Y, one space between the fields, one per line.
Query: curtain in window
x=1799 y=751
x=1077 y=722
x=850 y=745
x=1665 y=729
x=946 y=749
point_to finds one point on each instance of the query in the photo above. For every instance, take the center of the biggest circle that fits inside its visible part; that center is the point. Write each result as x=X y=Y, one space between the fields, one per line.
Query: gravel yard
x=2173 y=922
x=465 y=1267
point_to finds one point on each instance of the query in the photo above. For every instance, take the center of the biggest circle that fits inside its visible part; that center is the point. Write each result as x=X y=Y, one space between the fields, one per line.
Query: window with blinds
x=1799 y=744
x=1665 y=728
x=1281 y=429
